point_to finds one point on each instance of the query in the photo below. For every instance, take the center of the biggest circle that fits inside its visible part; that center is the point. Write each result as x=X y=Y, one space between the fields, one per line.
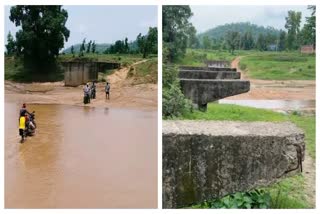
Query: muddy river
x=81 y=157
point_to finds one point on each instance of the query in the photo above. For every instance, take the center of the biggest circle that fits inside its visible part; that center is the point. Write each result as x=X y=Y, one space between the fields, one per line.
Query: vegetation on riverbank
x=14 y=69
x=145 y=72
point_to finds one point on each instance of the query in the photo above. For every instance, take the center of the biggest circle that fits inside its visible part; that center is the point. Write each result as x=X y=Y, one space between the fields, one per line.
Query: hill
x=242 y=27
x=99 y=48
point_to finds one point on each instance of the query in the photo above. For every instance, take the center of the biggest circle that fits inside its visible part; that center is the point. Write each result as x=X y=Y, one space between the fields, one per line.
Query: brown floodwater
x=81 y=157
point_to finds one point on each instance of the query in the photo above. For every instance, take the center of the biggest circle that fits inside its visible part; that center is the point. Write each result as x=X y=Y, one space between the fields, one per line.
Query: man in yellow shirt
x=22 y=126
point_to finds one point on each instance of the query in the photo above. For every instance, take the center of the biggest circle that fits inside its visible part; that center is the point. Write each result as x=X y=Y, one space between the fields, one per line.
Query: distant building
x=272 y=47
x=307 y=49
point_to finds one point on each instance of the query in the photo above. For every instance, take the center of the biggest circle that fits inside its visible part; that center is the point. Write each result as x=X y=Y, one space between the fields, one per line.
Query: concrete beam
x=203 y=160
x=191 y=74
x=203 y=91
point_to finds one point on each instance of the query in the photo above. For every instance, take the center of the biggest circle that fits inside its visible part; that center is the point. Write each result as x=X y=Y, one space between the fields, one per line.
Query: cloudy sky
x=104 y=24
x=206 y=17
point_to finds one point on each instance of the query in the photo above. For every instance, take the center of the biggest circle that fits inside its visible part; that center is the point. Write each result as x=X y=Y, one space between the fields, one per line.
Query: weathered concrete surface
x=190 y=74
x=203 y=91
x=206 y=160
x=198 y=68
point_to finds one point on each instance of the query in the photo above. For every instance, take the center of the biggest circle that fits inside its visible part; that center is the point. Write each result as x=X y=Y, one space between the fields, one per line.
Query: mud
x=81 y=157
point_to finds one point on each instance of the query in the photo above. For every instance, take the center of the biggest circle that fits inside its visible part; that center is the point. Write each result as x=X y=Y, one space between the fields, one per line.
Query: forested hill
x=242 y=27
x=99 y=48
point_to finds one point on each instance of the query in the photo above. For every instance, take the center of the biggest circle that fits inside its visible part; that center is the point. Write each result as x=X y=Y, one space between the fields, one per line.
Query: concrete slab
x=203 y=91
x=203 y=160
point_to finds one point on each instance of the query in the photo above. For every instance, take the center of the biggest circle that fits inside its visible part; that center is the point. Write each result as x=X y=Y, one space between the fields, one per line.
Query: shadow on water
x=81 y=157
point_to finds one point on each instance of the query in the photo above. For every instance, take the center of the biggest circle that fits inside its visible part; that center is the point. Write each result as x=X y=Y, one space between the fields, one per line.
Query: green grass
x=265 y=65
x=289 y=192
x=217 y=111
x=308 y=125
x=279 y=66
x=197 y=57
x=146 y=72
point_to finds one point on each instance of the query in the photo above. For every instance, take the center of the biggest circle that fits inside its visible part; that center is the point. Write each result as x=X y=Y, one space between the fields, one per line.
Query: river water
x=81 y=157
x=281 y=105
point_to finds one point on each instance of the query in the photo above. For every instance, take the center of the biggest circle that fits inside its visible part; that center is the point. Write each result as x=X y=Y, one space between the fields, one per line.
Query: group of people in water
x=90 y=92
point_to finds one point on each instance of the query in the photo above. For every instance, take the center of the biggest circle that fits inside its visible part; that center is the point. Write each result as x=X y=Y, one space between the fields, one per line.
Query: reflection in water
x=273 y=104
x=81 y=158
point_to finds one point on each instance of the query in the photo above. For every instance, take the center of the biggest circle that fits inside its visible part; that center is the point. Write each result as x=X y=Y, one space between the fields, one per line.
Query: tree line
x=146 y=44
x=43 y=33
x=290 y=39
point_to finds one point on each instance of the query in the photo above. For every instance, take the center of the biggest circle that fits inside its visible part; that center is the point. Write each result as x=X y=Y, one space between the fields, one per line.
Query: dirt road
x=122 y=94
x=275 y=89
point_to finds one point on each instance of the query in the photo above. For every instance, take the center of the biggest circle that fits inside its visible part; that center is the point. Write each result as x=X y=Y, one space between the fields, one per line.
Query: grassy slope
x=259 y=65
x=279 y=66
x=288 y=193
x=146 y=72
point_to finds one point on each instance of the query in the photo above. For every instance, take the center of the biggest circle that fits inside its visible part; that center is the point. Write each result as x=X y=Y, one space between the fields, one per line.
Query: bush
x=173 y=100
x=243 y=66
x=243 y=200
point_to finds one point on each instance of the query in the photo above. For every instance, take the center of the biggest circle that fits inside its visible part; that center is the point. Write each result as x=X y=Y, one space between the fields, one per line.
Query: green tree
x=308 y=32
x=41 y=36
x=11 y=45
x=152 y=40
x=173 y=100
x=93 y=49
x=293 y=25
x=261 y=44
x=206 y=41
x=247 y=41
x=233 y=40
x=148 y=43
x=193 y=41
x=89 y=46
x=282 y=41
x=72 y=50
x=126 y=45
x=82 y=47
x=176 y=26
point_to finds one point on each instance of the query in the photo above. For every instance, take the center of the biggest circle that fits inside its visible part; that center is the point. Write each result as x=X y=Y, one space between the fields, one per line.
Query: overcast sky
x=104 y=24
x=207 y=17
